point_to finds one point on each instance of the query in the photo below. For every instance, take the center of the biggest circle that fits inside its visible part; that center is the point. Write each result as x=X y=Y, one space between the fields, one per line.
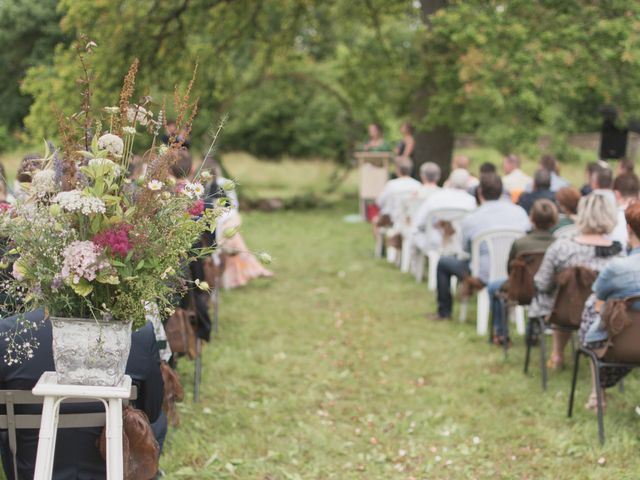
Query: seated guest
x=626 y=188
x=619 y=279
x=625 y=166
x=492 y=214
x=430 y=175
x=567 y=199
x=543 y=216
x=591 y=168
x=454 y=196
x=403 y=184
x=462 y=162
x=591 y=249
x=514 y=180
x=550 y=163
x=541 y=189
x=602 y=182
x=486 y=167
x=77 y=455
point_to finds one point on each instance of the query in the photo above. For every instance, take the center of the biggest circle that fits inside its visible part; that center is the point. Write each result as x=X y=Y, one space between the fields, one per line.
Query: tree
x=29 y=31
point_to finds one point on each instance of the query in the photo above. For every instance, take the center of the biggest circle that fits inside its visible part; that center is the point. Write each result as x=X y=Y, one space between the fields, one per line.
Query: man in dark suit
x=77 y=456
x=541 y=190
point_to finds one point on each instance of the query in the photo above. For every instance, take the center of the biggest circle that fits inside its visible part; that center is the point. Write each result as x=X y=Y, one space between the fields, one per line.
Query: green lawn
x=332 y=371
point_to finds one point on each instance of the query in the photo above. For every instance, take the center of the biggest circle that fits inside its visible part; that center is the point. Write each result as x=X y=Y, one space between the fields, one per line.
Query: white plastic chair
x=410 y=251
x=453 y=215
x=498 y=243
x=568 y=231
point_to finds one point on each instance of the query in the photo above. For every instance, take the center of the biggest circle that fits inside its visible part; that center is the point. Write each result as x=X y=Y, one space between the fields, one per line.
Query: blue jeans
x=500 y=327
x=447 y=268
x=159 y=429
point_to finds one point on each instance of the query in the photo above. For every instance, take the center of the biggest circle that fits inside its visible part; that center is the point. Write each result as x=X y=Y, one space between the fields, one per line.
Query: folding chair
x=623 y=352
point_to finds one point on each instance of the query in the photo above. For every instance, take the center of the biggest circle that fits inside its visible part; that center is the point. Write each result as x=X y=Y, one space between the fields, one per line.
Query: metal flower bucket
x=89 y=351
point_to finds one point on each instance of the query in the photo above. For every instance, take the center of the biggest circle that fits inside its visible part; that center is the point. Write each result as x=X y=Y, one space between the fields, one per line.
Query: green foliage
x=282 y=118
x=29 y=31
x=293 y=74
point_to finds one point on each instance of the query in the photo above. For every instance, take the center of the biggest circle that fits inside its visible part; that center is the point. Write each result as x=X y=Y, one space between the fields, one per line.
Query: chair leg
x=482 y=315
x=574 y=379
x=528 y=338
x=543 y=353
x=198 y=371
x=520 y=319
x=600 y=400
x=432 y=273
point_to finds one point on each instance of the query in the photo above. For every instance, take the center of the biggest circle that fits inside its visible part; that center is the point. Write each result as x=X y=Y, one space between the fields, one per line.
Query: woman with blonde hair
x=590 y=249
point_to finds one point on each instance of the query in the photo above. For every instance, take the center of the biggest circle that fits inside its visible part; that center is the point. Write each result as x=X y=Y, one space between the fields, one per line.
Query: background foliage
x=303 y=77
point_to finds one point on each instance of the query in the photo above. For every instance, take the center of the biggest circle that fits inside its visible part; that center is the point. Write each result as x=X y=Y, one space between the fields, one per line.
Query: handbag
x=180 y=334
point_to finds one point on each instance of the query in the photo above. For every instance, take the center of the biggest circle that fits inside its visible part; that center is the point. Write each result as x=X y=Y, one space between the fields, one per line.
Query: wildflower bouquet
x=86 y=241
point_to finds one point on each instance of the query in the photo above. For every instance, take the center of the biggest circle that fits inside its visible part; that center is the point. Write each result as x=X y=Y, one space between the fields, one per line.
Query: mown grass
x=332 y=371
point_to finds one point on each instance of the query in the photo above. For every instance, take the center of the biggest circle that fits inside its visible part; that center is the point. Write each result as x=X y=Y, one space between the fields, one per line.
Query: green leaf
x=110 y=279
x=140 y=264
x=82 y=288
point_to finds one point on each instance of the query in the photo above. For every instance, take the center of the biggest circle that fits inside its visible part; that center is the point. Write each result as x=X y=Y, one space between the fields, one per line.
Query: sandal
x=592 y=403
x=555 y=363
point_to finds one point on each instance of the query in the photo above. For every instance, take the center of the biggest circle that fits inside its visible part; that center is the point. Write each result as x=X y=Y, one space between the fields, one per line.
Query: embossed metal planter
x=90 y=352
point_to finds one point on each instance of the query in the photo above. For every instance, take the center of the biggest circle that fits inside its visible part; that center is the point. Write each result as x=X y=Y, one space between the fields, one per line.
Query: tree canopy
x=301 y=77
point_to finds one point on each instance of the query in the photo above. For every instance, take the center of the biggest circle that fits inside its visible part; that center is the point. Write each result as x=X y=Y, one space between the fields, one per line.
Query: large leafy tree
x=510 y=72
x=29 y=31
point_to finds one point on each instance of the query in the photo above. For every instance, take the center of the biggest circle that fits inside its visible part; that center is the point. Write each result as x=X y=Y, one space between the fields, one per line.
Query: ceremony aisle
x=331 y=370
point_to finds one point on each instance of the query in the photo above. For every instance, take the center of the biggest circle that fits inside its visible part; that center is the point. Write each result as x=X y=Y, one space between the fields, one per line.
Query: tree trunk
x=435 y=145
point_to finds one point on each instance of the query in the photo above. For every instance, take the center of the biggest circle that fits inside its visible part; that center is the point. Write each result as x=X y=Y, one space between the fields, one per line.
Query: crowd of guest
x=596 y=228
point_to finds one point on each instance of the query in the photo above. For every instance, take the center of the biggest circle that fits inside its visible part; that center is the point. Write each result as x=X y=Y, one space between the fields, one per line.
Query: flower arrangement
x=86 y=241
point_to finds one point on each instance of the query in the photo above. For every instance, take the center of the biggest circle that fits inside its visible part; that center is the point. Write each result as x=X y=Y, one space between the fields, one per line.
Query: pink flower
x=116 y=239
x=5 y=207
x=82 y=260
x=197 y=208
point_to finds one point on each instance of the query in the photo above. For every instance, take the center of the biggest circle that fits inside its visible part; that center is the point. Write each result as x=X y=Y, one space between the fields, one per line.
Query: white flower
x=205 y=175
x=155 y=185
x=112 y=110
x=75 y=200
x=198 y=189
x=44 y=182
x=129 y=130
x=139 y=114
x=162 y=149
x=111 y=143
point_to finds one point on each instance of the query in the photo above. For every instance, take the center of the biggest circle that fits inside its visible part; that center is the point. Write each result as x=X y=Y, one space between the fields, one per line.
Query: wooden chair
x=623 y=352
x=12 y=421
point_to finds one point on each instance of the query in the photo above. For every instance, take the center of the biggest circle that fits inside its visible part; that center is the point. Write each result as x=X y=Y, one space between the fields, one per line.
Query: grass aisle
x=332 y=371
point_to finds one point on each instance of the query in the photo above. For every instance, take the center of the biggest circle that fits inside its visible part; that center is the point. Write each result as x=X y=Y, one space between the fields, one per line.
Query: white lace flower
x=44 y=182
x=155 y=185
x=112 y=110
x=76 y=201
x=139 y=114
x=129 y=130
x=111 y=143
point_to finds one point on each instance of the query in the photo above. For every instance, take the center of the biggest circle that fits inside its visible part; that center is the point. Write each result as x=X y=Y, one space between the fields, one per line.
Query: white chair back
x=399 y=203
x=498 y=243
x=568 y=231
x=452 y=215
